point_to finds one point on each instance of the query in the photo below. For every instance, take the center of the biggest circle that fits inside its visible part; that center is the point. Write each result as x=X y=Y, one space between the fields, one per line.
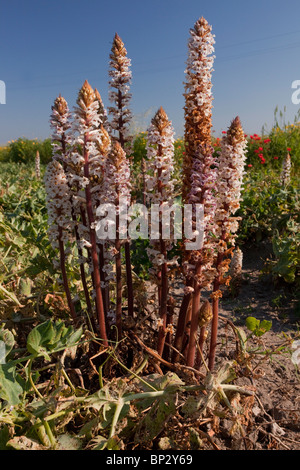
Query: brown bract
x=86 y=94
x=160 y=120
x=118 y=51
x=235 y=133
x=60 y=105
x=103 y=145
x=205 y=314
x=117 y=155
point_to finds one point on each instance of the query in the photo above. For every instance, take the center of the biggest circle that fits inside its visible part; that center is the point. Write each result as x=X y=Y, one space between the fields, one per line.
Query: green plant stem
x=118 y=409
x=68 y=379
x=134 y=374
x=50 y=435
x=31 y=380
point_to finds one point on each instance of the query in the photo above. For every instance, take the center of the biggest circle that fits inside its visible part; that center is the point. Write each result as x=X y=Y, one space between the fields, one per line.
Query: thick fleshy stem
x=191 y=353
x=182 y=321
x=64 y=275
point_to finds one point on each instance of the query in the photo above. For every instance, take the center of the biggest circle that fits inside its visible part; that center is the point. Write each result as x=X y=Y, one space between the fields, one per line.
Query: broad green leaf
x=252 y=323
x=7 y=339
x=49 y=337
x=10 y=388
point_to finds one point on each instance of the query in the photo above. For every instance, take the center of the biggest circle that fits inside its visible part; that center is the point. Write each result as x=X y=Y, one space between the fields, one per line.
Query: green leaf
x=49 y=337
x=265 y=325
x=252 y=323
x=10 y=388
x=258 y=327
x=7 y=339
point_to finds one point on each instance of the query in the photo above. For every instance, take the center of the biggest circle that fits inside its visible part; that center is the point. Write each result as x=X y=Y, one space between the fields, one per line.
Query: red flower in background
x=288 y=149
x=249 y=166
x=275 y=158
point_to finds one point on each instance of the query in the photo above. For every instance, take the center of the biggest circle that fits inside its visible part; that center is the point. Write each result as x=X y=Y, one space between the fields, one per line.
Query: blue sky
x=48 y=47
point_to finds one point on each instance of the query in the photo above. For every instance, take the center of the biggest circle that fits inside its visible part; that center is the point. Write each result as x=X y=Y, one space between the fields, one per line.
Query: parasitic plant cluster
x=91 y=173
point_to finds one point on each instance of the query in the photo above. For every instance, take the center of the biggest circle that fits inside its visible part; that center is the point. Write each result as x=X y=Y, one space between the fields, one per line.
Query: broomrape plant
x=90 y=173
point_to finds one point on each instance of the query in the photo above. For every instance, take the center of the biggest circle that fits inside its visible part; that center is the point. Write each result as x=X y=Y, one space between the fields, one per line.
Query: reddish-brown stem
x=214 y=333
x=181 y=323
x=215 y=309
x=129 y=278
x=64 y=274
x=94 y=254
x=163 y=305
x=118 y=283
x=194 y=319
x=105 y=290
x=166 y=352
x=202 y=337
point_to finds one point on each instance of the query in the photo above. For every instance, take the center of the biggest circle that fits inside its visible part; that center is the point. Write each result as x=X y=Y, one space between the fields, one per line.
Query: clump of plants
x=91 y=171
x=24 y=150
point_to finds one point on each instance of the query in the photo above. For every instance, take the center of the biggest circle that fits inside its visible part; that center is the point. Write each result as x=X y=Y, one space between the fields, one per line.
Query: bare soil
x=274 y=419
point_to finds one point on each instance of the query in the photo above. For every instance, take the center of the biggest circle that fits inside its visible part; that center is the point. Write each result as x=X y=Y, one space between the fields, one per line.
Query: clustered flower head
x=236 y=264
x=198 y=95
x=159 y=179
x=285 y=176
x=202 y=191
x=119 y=95
x=37 y=165
x=58 y=204
x=231 y=163
x=90 y=139
x=116 y=190
x=160 y=155
x=60 y=122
